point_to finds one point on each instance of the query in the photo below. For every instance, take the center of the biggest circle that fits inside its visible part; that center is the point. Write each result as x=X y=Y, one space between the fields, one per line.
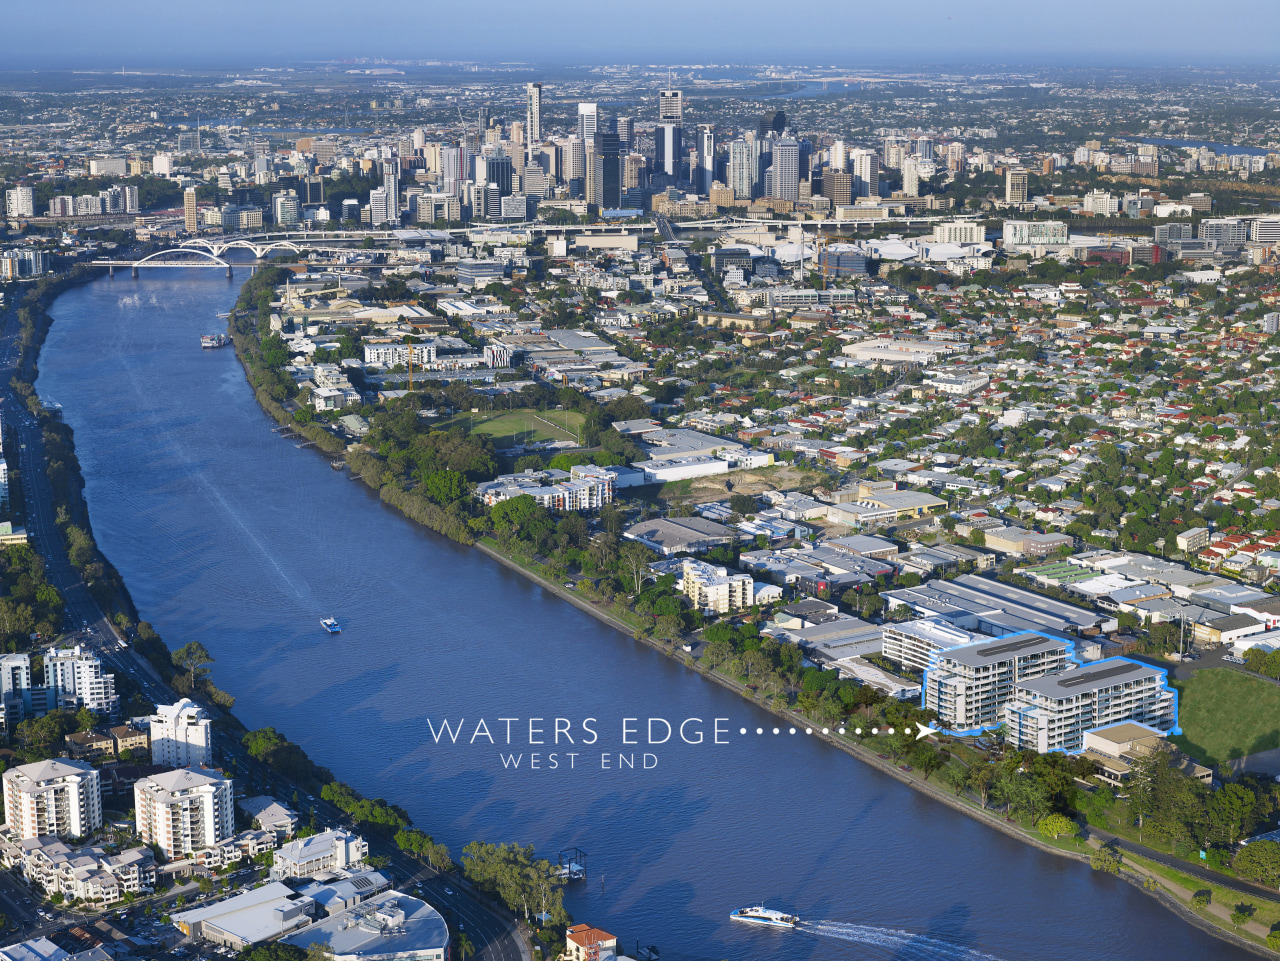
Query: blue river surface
x=229 y=534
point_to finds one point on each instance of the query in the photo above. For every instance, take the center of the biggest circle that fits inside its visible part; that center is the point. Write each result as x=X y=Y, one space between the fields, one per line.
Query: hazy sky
x=169 y=33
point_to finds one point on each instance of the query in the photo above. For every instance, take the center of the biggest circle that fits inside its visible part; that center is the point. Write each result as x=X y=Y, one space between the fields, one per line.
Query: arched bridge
x=260 y=250
x=174 y=257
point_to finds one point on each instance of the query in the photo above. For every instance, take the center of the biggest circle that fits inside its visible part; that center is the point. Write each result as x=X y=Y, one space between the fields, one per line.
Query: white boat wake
x=904 y=945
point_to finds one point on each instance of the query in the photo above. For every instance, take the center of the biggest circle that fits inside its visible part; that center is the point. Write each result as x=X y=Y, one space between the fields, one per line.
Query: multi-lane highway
x=494 y=937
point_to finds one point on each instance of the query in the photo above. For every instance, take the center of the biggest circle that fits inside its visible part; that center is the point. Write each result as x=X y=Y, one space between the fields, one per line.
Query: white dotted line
x=825 y=730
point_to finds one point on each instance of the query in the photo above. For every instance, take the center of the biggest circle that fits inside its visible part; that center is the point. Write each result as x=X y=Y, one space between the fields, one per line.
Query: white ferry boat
x=766 y=916
x=330 y=624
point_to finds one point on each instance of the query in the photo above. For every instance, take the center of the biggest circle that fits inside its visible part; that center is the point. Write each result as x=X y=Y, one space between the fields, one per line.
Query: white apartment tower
x=706 y=157
x=743 y=171
x=1053 y=713
x=969 y=686
x=76 y=677
x=910 y=177
x=866 y=173
x=19 y=202
x=60 y=798
x=182 y=735
x=913 y=643
x=190 y=211
x=533 y=115
x=184 y=811
x=786 y=169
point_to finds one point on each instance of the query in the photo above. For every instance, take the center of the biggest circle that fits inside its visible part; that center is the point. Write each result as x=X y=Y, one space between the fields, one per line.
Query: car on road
x=450 y=890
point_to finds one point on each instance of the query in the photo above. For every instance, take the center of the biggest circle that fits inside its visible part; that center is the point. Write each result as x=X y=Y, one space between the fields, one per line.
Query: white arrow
x=925 y=731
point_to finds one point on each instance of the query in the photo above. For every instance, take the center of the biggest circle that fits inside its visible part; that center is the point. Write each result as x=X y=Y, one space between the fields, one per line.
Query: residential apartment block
x=1033 y=233
x=59 y=798
x=913 y=643
x=184 y=811
x=969 y=686
x=87 y=874
x=708 y=587
x=74 y=679
x=584 y=487
x=1053 y=713
x=182 y=735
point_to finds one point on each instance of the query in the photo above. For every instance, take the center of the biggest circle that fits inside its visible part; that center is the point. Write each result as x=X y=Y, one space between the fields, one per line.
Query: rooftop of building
x=29 y=777
x=251 y=917
x=180 y=781
x=385 y=926
x=986 y=653
x=1097 y=676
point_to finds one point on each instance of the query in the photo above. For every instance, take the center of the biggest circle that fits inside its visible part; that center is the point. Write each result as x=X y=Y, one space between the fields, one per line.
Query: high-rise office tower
x=866 y=173
x=588 y=121
x=607 y=182
x=190 y=213
x=1015 y=187
x=706 y=157
x=626 y=131
x=550 y=157
x=533 y=115
x=483 y=118
x=774 y=121
x=924 y=148
x=670 y=106
x=633 y=168
x=575 y=163
x=786 y=169
x=837 y=186
x=669 y=149
x=497 y=169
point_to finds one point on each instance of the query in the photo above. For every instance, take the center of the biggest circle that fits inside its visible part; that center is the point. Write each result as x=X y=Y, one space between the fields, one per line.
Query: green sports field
x=511 y=427
x=1225 y=715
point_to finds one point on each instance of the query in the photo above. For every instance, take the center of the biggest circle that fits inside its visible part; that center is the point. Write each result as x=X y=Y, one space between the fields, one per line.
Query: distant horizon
x=145 y=35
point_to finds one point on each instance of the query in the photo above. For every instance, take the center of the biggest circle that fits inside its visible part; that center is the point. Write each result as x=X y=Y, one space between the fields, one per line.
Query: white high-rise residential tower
x=786 y=169
x=533 y=117
x=181 y=735
x=62 y=798
x=183 y=811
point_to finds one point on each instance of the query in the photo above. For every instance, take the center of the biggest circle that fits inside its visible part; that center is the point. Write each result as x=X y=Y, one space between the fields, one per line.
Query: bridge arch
x=181 y=250
x=208 y=245
x=264 y=249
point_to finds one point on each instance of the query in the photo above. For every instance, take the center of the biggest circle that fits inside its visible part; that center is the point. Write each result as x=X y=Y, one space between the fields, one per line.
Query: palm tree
x=465 y=948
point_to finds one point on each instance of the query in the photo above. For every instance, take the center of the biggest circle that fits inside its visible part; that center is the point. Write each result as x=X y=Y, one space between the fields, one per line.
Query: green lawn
x=1225 y=714
x=511 y=427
